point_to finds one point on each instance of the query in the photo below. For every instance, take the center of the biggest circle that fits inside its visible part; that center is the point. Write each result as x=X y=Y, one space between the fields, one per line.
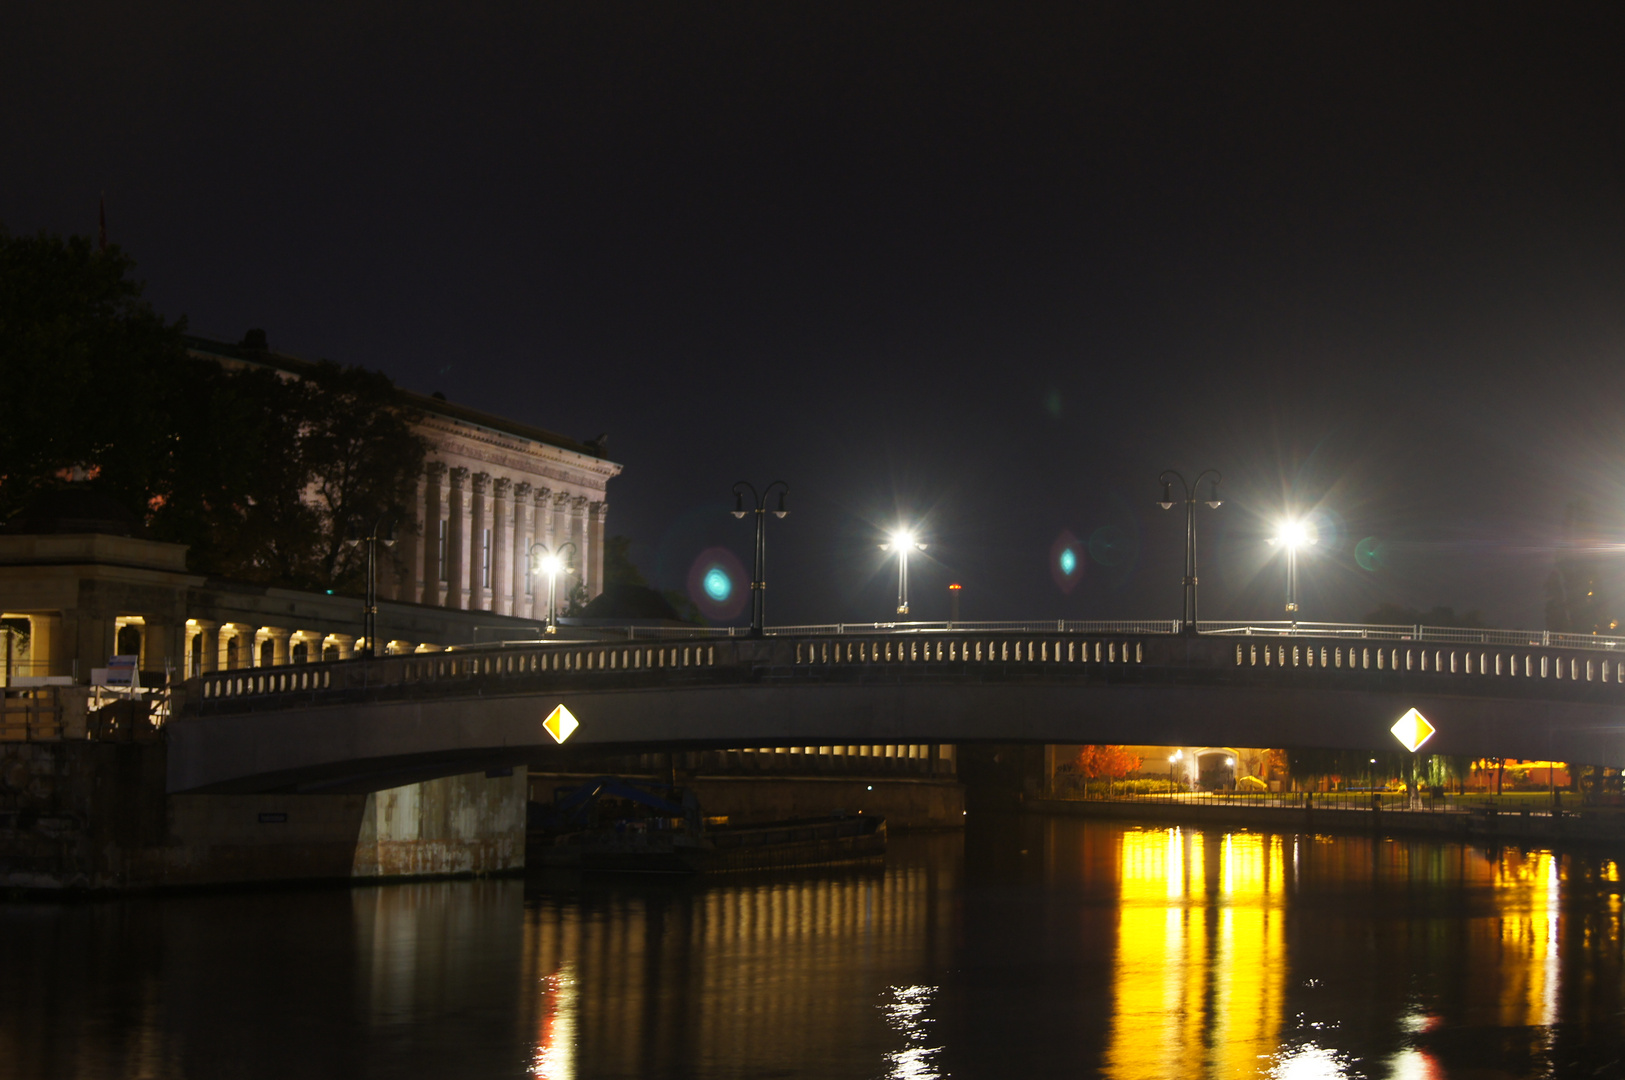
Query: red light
x=953 y=588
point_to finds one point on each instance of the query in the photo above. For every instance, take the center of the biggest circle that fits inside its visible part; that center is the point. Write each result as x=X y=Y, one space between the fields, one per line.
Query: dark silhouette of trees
x=262 y=473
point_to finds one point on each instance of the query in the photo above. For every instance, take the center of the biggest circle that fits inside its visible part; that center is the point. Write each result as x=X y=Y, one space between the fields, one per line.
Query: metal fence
x=1428 y=801
x=1443 y=635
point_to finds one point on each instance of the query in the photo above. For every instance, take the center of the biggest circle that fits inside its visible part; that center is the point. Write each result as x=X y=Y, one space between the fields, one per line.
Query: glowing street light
x=902 y=541
x=758 y=585
x=1293 y=534
x=1173 y=759
x=1187 y=624
x=552 y=563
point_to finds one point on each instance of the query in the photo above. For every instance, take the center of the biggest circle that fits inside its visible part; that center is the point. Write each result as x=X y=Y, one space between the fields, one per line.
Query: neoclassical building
x=90 y=586
x=490 y=489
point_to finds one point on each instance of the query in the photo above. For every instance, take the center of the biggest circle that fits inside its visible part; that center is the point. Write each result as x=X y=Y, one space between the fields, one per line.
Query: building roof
x=425 y=403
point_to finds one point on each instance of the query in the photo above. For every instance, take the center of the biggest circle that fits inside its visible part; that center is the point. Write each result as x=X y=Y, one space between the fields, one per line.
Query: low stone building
x=90 y=587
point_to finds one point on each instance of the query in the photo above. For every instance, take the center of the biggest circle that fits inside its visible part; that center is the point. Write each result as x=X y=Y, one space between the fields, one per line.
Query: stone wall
x=89 y=815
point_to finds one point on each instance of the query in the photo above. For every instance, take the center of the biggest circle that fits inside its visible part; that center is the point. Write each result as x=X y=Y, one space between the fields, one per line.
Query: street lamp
x=758 y=584
x=902 y=541
x=1292 y=534
x=1172 y=760
x=1188 y=621
x=382 y=532
x=552 y=563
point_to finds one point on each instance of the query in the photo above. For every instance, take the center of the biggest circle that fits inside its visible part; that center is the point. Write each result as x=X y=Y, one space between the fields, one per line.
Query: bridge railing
x=1308 y=658
x=1018 y=626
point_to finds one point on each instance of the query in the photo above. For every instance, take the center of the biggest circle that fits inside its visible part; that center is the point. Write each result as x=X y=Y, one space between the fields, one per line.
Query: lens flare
x=1066 y=561
x=718 y=585
x=1371 y=554
x=1108 y=545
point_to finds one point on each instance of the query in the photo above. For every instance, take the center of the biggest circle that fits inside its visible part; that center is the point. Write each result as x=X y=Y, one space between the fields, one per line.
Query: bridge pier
x=85 y=815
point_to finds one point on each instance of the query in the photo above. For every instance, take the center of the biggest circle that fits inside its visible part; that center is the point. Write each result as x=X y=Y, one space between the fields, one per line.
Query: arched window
x=231 y=654
x=301 y=652
x=197 y=654
x=267 y=652
x=330 y=652
x=129 y=640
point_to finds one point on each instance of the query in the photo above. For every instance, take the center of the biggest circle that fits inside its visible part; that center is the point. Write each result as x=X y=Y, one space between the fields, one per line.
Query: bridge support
x=94 y=815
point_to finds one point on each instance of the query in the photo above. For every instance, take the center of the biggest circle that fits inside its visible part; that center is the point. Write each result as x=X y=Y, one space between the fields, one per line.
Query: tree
x=364 y=459
x=262 y=473
x=90 y=371
x=627 y=594
x=1577 y=596
x=1111 y=762
x=1395 y=615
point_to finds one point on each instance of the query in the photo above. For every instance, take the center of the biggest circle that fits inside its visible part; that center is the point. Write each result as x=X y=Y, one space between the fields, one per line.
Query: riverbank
x=1562 y=827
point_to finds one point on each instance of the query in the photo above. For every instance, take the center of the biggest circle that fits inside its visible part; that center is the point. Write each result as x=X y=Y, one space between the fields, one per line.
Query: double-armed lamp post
x=1187 y=624
x=902 y=541
x=382 y=532
x=758 y=585
x=552 y=563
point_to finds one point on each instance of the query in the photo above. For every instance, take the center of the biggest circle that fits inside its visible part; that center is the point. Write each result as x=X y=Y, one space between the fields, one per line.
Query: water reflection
x=1023 y=948
x=742 y=975
x=1200 y=963
x=905 y=1012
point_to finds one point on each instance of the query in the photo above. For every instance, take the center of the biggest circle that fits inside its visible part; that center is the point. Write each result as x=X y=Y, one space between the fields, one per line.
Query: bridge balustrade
x=949 y=653
x=1438 y=661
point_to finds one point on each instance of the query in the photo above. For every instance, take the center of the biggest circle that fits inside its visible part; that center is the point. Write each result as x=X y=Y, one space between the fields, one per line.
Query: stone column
x=597 y=513
x=206 y=653
x=578 y=537
x=479 y=567
x=524 y=534
x=550 y=505
x=501 y=547
x=158 y=641
x=406 y=564
x=278 y=637
x=430 y=571
x=457 y=557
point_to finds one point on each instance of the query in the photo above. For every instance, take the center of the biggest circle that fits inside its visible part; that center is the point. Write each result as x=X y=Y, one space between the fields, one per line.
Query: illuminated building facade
x=490 y=488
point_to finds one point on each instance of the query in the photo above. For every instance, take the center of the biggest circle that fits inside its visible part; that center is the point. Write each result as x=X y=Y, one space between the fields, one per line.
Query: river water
x=1023 y=948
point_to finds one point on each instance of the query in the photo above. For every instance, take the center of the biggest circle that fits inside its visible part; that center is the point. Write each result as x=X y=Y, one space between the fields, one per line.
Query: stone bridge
x=367 y=725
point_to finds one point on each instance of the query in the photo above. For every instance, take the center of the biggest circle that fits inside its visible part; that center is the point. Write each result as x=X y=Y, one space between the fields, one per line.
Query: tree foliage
x=1577 y=590
x=1110 y=762
x=262 y=474
x=628 y=594
x=88 y=369
x=1396 y=615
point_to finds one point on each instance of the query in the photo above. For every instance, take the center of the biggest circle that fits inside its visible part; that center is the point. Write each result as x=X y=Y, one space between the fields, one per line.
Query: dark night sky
x=991 y=268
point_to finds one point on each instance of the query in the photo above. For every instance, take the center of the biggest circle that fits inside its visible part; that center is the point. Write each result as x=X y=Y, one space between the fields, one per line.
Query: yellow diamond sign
x=560 y=723
x=1412 y=729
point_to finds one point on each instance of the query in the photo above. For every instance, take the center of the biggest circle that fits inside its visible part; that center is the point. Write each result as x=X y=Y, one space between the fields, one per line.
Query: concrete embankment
x=1567 y=828
x=94 y=816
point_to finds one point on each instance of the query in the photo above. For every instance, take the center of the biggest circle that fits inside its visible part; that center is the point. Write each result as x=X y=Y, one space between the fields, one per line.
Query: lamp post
x=1188 y=620
x=1172 y=761
x=758 y=584
x=902 y=541
x=1293 y=533
x=551 y=563
x=382 y=532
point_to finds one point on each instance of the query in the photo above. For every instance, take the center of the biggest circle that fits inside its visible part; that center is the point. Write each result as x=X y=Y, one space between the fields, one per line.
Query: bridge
x=372 y=724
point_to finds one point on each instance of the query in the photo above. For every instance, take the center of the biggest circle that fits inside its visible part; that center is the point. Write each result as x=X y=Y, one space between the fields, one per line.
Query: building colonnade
x=471 y=551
